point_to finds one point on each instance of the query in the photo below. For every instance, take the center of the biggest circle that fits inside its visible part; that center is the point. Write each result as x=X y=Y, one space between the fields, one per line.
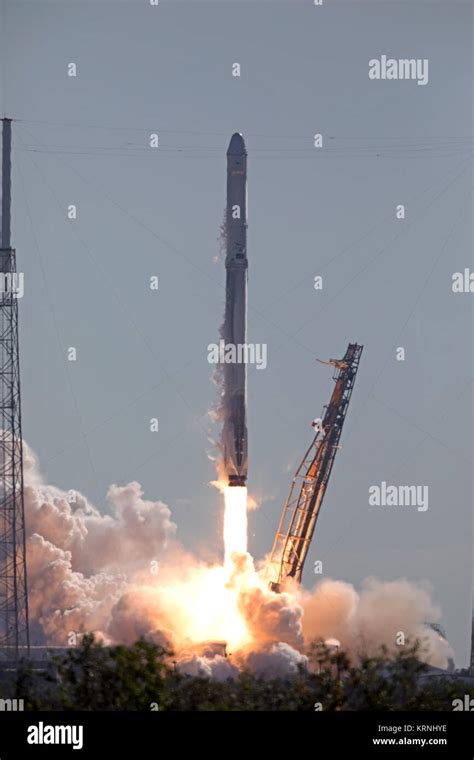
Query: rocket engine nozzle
x=237 y=480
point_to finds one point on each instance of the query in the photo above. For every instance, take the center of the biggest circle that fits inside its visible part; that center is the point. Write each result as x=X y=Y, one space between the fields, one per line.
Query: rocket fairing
x=234 y=331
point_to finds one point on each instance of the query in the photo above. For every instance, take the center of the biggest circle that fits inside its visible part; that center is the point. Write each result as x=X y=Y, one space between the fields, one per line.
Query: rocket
x=234 y=331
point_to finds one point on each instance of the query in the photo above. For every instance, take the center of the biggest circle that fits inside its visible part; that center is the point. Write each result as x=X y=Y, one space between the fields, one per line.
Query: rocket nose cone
x=236 y=145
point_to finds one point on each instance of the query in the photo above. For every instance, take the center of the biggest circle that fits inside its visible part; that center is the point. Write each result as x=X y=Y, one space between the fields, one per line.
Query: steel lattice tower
x=14 y=632
x=308 y=487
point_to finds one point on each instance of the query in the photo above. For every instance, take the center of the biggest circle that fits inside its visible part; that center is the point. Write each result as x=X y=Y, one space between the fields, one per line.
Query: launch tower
x=307 y=490
x=14 y=633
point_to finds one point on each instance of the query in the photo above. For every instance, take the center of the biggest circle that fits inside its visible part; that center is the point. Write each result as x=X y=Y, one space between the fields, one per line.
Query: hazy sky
x=84 y=140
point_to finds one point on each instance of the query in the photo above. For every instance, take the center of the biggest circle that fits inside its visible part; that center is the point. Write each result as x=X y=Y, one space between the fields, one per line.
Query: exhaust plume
x=125 y=575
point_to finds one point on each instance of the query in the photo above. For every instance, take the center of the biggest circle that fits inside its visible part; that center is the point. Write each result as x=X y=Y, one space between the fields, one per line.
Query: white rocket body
x=235 y=322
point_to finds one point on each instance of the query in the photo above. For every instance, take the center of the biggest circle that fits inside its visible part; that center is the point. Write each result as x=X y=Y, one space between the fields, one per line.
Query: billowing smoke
x=81 y=563
x=211 y=666
x=276 y=661
x=125 y=575
x=382 y=614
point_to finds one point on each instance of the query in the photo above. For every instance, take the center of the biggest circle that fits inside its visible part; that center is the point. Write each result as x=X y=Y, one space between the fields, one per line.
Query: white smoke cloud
x=217 y=667
x=278 y=660
x=376 y=617
x=137 y=531
x=80 y=563
x=272 y=618
x=62 y=600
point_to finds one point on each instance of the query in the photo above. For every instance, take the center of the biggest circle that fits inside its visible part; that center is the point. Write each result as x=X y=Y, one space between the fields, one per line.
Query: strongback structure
x=307 y=490
x=14 y=632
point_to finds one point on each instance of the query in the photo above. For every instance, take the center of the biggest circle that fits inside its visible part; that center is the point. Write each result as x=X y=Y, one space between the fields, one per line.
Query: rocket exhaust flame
x=235 y=523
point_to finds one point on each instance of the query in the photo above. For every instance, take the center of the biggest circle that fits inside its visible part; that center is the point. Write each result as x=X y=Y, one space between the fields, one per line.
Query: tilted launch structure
x=308 y=487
